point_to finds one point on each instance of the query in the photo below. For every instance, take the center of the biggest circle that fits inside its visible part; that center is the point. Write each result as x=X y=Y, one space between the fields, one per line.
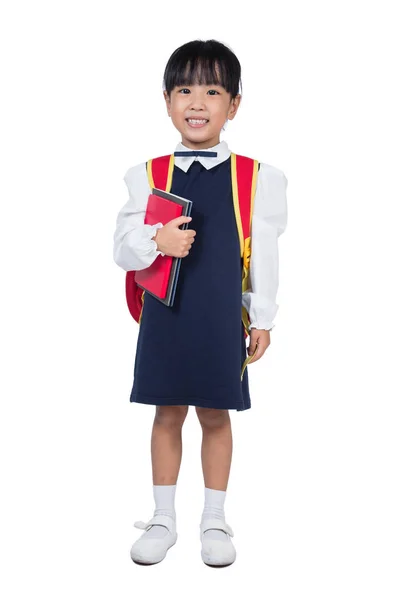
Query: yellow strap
x=245 y=244
x=248 y=360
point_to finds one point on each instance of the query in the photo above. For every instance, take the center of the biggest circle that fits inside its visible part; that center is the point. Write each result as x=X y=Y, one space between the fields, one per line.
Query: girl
x=190 y=354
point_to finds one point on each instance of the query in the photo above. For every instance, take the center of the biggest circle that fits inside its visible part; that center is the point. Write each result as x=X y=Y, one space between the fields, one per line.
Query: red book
x=161 y=277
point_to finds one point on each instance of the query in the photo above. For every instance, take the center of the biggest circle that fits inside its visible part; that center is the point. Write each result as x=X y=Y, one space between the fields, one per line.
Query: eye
x=187 y=90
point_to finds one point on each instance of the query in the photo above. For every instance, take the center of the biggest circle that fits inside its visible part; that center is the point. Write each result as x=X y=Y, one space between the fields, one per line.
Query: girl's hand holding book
x=174 y=241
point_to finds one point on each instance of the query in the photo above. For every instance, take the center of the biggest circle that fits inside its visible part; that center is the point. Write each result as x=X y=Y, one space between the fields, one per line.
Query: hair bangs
x=203 y=63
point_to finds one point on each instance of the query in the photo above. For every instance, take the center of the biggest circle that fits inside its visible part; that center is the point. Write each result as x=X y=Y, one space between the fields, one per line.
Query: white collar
x=184 y=162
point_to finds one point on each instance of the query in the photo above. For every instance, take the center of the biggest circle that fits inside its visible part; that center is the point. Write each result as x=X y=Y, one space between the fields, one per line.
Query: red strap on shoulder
x=244 y=174
x=159 y=169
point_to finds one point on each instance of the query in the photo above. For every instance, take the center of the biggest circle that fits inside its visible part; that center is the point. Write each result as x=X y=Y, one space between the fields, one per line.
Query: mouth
x=197 y=123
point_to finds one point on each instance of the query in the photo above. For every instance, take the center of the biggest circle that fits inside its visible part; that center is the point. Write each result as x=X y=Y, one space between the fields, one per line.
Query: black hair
x=197 y=62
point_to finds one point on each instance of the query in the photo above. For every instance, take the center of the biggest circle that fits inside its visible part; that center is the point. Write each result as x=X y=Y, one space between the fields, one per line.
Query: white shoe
x=217 y=553
x=150 y=551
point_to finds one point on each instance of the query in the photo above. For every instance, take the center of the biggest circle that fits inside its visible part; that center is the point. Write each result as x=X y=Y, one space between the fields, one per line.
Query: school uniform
x=192 y=353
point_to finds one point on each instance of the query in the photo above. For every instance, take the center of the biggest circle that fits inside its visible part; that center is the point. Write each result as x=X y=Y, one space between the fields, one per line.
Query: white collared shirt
x=134 y=248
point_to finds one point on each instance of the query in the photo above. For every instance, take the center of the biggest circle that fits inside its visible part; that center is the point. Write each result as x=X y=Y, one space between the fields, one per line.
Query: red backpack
x=244 y=180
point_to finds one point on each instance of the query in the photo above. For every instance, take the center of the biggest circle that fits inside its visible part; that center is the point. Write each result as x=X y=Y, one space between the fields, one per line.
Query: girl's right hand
x=174 y=241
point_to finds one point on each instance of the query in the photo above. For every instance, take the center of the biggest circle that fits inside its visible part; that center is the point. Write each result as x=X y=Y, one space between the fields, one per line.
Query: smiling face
x=211 y=103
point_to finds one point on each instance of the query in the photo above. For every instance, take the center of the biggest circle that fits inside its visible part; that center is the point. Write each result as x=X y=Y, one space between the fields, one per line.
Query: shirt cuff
x=261 y=310
x=267 y=326
x=153 y=231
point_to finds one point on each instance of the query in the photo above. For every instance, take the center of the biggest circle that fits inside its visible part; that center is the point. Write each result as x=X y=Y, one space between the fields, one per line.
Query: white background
x=314 y=495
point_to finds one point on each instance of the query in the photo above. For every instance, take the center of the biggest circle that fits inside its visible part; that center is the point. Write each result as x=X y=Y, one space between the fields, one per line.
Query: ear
x=167 y=102
x=235 y=102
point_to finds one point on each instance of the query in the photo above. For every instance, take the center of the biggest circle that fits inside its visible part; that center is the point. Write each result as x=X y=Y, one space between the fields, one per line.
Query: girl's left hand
x=260 y=337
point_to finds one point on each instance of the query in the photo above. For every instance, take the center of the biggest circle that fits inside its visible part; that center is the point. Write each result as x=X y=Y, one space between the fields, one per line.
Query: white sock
x=164 y=497
x=214 y=509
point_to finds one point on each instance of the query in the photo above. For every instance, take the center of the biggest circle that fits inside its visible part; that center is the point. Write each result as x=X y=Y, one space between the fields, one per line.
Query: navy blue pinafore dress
x=192 y=353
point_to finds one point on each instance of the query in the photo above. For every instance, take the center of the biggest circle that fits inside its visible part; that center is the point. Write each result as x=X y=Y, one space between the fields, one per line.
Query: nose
x=197 y=101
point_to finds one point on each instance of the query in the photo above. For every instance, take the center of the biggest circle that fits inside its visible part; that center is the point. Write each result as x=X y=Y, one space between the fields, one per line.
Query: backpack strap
x=244 y=173
x=159 y=172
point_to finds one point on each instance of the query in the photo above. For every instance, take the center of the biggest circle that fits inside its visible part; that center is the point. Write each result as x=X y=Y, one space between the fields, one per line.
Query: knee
x=171 y=417
x=211 y=418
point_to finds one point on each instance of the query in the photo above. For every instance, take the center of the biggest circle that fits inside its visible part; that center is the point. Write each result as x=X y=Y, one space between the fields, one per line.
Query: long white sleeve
x=134 y=249
x=268 y=223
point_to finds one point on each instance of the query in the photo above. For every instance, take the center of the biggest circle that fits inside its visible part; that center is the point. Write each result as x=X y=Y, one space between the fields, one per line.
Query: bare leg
x=166 y=455
x=216 y=448
x=166 y=443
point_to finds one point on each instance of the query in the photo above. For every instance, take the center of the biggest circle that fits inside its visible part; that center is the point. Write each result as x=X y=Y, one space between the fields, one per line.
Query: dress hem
x=200 y=402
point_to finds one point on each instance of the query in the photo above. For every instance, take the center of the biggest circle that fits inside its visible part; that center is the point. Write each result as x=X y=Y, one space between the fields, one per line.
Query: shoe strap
x=164 y=520
x=215 y=524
